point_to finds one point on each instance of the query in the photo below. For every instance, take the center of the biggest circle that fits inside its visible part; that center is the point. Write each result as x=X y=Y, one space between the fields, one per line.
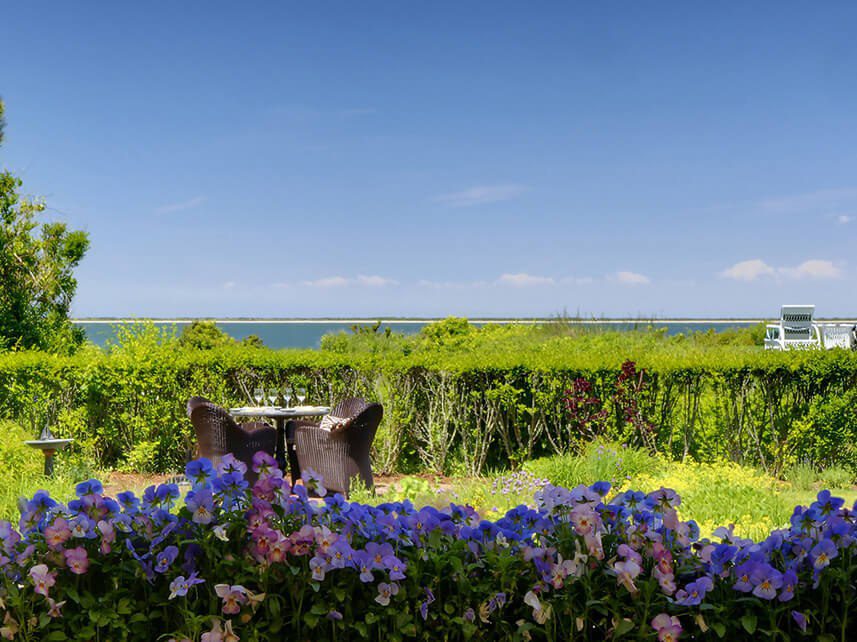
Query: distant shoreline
x=387 y=320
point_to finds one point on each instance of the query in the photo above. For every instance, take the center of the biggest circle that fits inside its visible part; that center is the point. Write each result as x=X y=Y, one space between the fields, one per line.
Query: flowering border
x=237 y=563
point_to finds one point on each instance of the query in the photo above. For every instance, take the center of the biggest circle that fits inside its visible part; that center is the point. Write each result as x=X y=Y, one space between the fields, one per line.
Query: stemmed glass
x=301 y=394
x=258 y=395
x=273 y=394
x=287 y=395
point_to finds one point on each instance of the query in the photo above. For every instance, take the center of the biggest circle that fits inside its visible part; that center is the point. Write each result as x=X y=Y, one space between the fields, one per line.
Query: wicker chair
x=342 y=455
x=218 y=434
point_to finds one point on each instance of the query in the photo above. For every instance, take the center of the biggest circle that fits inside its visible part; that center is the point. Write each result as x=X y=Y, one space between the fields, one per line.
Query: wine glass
x=287 y=395
x=258 y=394
x=273 y=394
x=301 y=394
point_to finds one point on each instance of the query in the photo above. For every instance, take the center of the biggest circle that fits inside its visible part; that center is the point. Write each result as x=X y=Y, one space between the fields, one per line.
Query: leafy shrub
x=205 y=335
x=827 y=436
x=485 y=399
x=19 y=460
x=143 y=458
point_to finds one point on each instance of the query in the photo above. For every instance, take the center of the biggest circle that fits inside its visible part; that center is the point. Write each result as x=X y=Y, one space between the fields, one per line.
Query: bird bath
x=49 y=447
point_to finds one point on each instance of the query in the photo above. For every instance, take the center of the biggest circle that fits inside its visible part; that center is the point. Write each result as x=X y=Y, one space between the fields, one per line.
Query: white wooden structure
x=798 y=331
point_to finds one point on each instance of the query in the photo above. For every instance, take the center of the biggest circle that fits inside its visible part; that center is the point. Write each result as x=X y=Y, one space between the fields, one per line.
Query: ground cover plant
x=713 y=494
x=230 y=563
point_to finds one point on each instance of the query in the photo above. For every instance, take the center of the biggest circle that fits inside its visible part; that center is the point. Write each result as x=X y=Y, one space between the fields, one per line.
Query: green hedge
x=459 y=412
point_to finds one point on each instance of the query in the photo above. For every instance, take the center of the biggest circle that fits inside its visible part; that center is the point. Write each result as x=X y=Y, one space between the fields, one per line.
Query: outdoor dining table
x=285 y=445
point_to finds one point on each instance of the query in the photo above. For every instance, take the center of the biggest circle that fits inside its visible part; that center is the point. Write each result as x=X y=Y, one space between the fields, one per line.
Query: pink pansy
x=55 y=608
x=218 y=634
x=77 y=560
x=668 y=628
x=57 y=534
x=233 y=597
x=324 y=538
x=584 y=519
x=42 y=579
x=108 y=536
x=626 y=572
x=278 y=550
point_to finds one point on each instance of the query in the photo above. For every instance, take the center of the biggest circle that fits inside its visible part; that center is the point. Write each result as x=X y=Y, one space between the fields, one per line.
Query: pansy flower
x=165 y=558
x=668 y=628
x=200 y=472
x=42 y=579
x=77 y=560
x=385 y=592
x=233 y=597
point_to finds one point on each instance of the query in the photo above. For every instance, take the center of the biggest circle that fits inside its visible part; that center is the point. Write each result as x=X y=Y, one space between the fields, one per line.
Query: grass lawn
x=714 y=495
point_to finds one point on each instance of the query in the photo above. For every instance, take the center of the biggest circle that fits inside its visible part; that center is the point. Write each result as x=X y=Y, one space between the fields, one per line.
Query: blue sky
x=430 y=159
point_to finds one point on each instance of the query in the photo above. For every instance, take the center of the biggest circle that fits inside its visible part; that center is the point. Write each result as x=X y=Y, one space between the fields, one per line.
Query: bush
x=476 y=400
x=143 y=458
x=205 y=335
x=19 y=460
x=576 y=567
x=827 y=436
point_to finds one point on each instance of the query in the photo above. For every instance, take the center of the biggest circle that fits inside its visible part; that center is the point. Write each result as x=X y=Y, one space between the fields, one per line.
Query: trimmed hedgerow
x=463 y=411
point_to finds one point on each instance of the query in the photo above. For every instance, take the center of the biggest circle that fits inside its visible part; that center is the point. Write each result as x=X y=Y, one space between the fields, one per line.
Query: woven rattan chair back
x=217 y=434
x=343 y=455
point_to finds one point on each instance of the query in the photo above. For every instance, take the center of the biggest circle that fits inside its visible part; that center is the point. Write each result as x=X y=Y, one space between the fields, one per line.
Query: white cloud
x=813 y=269
x=327 y=282
x=757 y=268
x=632 y=278
x=523 y=280
x=362 y=280
x=374 y=281
x=748 y=270
x=481 y=195
x=171 y=208
x=229 y=285
x=844 y=219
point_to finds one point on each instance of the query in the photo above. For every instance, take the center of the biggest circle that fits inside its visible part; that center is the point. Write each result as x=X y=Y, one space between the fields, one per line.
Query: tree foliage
x=37 y=261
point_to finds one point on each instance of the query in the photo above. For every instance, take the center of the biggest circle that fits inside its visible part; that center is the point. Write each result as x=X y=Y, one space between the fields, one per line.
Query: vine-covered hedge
x=461 y=412
x=267 y=563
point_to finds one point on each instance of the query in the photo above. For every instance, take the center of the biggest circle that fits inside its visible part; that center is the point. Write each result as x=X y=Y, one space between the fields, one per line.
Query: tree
x=36 y=272
x=204 y=335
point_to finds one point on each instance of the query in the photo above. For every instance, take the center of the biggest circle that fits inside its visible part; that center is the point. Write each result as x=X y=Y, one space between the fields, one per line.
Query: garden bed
x=586 y=563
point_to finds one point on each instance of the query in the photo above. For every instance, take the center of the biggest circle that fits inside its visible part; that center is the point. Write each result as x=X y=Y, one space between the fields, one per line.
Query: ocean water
x=308 y=335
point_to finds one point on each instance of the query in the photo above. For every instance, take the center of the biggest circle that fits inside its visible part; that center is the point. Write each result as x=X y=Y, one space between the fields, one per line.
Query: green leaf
x=362 y=629
x=719 y=628
x=749 y=623
x=623 y=626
